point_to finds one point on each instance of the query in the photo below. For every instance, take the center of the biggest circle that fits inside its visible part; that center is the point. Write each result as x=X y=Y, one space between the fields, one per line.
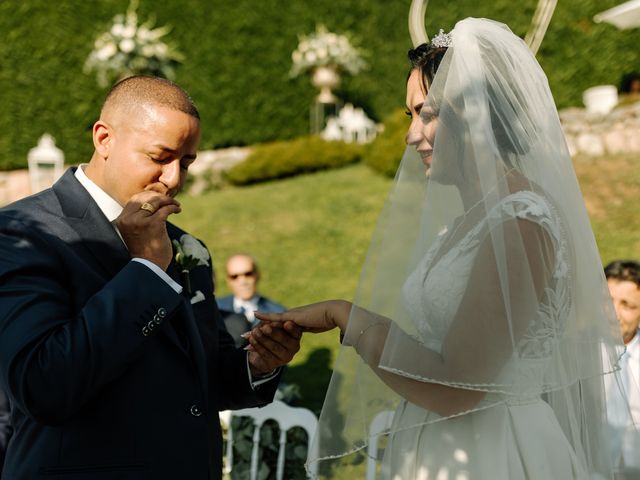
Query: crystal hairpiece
x=442 y=40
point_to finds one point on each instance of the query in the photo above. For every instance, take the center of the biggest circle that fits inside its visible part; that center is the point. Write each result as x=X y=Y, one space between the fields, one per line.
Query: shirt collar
x=107 y=204
x=632 y=347
x=252 y=302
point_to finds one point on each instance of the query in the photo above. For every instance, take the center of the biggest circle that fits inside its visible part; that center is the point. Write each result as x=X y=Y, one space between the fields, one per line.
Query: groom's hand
x=142 y=225
x=272 y=346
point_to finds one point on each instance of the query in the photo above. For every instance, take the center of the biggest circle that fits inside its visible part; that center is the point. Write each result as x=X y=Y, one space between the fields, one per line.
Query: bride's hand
x=316 y=318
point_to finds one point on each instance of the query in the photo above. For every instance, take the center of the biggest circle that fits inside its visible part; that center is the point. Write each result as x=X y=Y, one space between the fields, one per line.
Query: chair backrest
x=286 y=417
x=380 y=424
x=225 y=421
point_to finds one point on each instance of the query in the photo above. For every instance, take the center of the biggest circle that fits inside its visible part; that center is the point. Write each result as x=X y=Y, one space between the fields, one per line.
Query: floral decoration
x=323 y=48
x=190 y=253
x=128 y=48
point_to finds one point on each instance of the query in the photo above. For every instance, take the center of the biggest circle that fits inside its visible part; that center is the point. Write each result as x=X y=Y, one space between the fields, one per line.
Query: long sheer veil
x=488 y=269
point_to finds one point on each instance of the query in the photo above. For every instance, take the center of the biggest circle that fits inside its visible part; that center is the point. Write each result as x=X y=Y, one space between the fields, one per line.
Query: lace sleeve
x=506 y=266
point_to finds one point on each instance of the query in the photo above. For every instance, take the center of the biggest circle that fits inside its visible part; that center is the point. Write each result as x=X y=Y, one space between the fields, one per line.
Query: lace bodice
x=434 y=290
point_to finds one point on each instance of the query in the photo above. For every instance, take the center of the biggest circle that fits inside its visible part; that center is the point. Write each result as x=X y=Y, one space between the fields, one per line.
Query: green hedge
x=238 y=59
x=288 y=158
x=385 y=152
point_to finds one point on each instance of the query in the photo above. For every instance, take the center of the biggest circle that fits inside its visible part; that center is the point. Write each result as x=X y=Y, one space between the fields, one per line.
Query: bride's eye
x=427 y=115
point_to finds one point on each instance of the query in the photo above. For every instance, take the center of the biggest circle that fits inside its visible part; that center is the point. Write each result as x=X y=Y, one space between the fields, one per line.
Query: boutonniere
x=190 y=253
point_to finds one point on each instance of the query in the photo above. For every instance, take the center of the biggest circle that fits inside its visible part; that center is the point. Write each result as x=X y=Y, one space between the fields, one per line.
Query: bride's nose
x=414 y=134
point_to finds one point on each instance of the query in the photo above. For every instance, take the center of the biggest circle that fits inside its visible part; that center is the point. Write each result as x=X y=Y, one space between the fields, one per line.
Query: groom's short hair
x=133 y=92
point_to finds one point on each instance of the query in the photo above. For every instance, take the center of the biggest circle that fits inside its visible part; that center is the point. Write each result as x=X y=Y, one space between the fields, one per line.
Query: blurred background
x=303 y=205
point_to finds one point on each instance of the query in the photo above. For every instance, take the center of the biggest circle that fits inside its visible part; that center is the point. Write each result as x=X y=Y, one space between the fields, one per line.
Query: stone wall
x=13 y=186
x=596 y=135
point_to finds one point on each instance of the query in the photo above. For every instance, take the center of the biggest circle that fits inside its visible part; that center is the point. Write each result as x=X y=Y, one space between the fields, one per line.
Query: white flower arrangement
x=131 y=49
x=322 y=48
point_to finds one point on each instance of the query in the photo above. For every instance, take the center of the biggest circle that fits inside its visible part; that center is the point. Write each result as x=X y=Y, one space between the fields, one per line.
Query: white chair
x=227 y=461
x=380 y=424
x=286 y=417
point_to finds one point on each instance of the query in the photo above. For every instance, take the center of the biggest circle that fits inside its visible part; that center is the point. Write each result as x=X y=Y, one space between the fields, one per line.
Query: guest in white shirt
x=623 y=278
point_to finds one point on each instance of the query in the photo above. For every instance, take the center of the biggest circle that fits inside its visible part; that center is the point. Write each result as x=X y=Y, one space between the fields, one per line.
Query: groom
x=110 y=356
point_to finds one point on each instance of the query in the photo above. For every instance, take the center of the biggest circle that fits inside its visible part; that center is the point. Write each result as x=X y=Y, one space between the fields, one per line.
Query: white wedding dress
x=505 y=437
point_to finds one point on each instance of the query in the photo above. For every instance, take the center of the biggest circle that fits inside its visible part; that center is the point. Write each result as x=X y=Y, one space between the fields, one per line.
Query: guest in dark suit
x=238 y=309
x=109 y=351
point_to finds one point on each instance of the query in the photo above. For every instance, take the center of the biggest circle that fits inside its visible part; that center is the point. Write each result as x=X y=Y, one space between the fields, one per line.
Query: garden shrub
x=385 y=152
x=288 y=158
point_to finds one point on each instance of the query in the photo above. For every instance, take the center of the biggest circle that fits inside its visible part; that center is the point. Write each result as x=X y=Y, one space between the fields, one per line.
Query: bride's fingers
x=270 y=317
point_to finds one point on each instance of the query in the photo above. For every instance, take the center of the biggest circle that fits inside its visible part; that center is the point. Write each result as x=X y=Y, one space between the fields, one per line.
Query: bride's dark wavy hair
x=426 y=58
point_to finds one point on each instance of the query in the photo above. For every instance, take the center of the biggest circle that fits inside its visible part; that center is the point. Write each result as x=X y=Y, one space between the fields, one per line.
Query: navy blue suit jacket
x=110 y=373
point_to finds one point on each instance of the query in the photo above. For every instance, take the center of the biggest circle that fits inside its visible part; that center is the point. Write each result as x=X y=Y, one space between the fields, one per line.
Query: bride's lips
x=427 y=156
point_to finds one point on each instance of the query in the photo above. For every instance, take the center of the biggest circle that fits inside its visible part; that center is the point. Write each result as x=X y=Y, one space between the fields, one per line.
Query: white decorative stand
x=601 y=99
x=325 y=78
x=46 y=163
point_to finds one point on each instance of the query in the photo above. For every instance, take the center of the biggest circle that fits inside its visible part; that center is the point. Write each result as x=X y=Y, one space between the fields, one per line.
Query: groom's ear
x=102 y=138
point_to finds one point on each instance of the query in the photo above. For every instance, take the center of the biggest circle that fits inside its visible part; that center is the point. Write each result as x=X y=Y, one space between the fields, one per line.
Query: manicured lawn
x=311 y=234
x=611 y=187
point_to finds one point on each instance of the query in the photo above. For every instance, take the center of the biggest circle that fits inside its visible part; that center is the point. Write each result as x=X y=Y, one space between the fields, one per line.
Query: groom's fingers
x=276 y=344
x=293 y=329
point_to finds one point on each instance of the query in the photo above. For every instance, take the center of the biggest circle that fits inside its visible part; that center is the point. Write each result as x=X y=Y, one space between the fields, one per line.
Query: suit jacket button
x=162 y=312
x=151 y=325
x=157 y=319
x=146 y=331
x=195 y=410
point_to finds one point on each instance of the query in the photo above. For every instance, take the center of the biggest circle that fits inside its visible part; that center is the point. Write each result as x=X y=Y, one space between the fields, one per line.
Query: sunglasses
x=234 y=276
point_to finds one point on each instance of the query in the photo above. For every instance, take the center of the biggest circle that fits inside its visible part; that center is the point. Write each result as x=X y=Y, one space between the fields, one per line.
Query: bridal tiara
x=442 y=40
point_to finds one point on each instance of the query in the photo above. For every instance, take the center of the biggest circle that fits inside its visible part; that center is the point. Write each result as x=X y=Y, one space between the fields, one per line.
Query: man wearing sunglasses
x=238 y=309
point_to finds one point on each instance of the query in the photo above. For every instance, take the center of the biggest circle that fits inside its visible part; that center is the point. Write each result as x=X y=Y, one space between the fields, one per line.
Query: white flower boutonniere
x=190 y=253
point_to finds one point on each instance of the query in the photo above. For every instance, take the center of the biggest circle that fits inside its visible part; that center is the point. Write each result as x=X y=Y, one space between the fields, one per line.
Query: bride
x=482 y=307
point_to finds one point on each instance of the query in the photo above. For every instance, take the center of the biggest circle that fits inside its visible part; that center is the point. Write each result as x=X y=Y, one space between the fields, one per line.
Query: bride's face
x=421 y=133
x=425 y=122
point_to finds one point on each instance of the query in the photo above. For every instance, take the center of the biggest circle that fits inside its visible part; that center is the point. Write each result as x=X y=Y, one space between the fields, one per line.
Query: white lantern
x=46 y=163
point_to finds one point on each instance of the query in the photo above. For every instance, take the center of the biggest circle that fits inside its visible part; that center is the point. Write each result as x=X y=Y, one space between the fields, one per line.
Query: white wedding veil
x=485 y=276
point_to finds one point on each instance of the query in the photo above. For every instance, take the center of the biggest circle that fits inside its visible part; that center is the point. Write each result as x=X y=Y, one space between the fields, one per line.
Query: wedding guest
x=109 y=346
x=630 y=84
x=243 y=276
x=623 y=278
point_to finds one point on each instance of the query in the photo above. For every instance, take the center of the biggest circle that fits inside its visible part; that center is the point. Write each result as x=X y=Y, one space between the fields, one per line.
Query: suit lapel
x=96 y=232
x=107 y=248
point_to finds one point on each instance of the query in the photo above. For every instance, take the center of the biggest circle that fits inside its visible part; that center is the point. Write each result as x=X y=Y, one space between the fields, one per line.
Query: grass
x=310 y=235
x=611 y=187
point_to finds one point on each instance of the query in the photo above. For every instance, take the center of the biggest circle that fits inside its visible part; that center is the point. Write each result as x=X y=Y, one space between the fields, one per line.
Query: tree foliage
x=238 y=58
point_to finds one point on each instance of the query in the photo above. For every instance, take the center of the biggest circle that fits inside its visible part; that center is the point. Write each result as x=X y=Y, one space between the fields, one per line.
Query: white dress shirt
x=246 y=307
x=623 y=409
x=112 y=210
